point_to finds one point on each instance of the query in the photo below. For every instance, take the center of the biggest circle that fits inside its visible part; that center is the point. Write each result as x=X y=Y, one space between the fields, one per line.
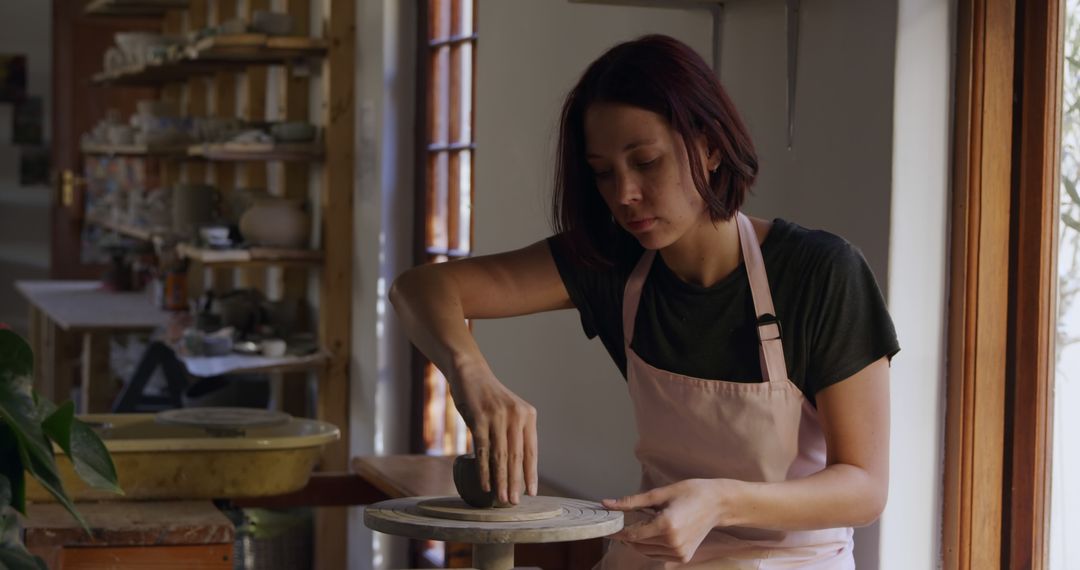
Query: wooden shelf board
x=255 y=48
x=144 y=234
x=133 y=7
x=134 y=149
x=251 y=256
x=257 y=151
x=214 y=54
x=237 y=364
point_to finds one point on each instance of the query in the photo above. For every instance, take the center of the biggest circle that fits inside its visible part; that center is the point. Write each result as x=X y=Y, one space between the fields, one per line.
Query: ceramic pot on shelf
x=276 y=222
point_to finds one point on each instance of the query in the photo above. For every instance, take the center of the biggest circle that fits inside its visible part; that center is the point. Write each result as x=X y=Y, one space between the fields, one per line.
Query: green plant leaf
x=17 y=558
x=91 y=458
x=87 y=452
x=16 y=357
x=47 y=475
x=21 y=412
x=57 y=424
x=13 y=555
x=11 y=471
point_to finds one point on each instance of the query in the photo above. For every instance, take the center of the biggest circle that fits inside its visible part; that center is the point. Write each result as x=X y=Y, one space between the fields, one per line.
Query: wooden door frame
x=1006 y=166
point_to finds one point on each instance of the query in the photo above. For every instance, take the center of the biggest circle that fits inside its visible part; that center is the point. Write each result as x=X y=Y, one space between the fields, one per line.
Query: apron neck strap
x=632 y=294
x=771 y=350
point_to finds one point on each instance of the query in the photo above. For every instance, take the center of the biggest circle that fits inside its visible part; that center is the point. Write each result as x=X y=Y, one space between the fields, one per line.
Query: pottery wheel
x=454 y=508
x=573 y=519
x=223 y=418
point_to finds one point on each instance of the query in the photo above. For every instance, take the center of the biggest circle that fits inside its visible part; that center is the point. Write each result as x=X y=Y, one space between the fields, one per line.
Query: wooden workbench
x=62 y=309
x=132 y=534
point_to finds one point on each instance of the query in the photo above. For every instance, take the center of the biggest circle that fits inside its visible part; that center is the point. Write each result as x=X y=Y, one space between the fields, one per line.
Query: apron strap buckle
x=769 y=328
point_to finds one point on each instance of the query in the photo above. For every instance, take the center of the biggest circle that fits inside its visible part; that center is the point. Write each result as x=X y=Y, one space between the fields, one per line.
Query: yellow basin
x=162 y=461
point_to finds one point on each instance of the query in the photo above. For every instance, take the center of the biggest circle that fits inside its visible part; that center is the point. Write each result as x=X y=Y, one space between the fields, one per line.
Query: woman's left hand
x=683 y=514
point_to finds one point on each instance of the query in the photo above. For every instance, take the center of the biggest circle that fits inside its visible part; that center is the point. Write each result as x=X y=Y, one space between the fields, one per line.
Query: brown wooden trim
x=335 y=286
x=978 y=313
x=418 y=361
x=1034 y=243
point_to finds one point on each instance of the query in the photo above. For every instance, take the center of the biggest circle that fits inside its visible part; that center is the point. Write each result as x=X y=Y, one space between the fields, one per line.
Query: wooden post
x=253 y=108
x=493 y=556
x=294 y=97
x=223 y=95
x=97 y=381
x=335 y=316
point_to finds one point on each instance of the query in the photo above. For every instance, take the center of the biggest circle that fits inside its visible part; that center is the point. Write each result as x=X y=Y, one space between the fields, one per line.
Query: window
x=1065 y=498
x=445 y=192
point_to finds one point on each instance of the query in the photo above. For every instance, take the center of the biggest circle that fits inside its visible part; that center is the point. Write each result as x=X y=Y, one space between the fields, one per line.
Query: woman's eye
x=601 y=174
x=646 y=163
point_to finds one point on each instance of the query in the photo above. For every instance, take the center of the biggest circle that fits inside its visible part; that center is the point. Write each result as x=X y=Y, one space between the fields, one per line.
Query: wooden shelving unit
x=216 y=54
x=140 y=8
x=251 y=256
x=227 y=151
x=204 y=365
x=142 y=234
x=134 y=149
x=254 y=48
x=244 y=152
x=226 y=76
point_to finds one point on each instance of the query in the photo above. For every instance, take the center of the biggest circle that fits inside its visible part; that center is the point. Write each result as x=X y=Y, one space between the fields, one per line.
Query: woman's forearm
x=429 y=307
x=839 y=495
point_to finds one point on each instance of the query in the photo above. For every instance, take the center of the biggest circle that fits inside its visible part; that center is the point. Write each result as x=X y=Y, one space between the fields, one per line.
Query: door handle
x=68 y=183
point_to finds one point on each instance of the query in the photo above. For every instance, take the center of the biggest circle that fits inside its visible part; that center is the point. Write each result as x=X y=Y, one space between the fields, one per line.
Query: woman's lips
x=641 y=225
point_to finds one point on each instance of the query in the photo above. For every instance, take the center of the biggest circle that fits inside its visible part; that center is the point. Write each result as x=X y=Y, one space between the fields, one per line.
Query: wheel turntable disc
x=536 y=519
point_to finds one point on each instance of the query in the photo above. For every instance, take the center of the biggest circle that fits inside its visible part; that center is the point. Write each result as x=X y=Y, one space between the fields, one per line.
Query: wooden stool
x=132 y=534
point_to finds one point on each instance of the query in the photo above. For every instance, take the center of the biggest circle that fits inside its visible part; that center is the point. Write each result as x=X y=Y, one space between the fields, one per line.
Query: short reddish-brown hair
x=663 y=75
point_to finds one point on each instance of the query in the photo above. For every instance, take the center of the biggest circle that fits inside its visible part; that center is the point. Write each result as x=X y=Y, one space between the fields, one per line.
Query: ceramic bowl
x=134 y=44
x=120 y=134
x=273 y=347
x=293 y=131
x=271 y=23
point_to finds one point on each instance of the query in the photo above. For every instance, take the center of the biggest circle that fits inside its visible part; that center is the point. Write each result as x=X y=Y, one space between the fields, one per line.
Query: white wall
x=531 y=52
x=837 y=175
x=918 y=273
x=379 y=372
x=25 y=28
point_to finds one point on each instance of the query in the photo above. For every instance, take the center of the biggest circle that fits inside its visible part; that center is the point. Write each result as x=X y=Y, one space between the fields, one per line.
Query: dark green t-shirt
x=833 y=316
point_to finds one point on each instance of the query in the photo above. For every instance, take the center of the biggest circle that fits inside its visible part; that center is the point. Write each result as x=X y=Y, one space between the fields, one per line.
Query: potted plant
x=29 y=427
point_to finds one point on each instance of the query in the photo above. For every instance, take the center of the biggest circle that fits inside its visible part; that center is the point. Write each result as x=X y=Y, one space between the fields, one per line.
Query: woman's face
x=642 y=170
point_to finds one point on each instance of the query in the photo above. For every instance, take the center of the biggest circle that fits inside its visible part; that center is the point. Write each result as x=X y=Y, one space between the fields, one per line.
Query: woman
x=756 y=353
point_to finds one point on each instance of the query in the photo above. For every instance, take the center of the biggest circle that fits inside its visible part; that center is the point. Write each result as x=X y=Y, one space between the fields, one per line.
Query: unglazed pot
x=276 y=222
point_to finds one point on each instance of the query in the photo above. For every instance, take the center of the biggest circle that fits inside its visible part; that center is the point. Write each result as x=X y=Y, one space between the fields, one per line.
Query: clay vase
x=276 y=222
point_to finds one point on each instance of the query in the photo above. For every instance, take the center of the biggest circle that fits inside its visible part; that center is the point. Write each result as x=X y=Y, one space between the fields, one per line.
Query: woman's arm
x=850 y=491
x=433 y=302
x=853 y=487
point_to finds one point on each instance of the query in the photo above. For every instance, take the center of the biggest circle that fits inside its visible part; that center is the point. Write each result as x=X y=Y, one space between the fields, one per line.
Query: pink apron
x=691 y=428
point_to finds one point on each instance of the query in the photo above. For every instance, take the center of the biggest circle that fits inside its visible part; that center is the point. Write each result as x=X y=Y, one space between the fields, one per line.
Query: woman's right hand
x=503 y=429
x=433 y=303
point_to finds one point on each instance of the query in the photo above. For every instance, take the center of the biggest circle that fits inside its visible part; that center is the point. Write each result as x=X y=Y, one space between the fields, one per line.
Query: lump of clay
x=467 y=481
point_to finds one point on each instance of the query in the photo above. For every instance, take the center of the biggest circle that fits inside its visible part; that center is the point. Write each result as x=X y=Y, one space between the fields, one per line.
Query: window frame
x=1000 y=374
x=425 y=377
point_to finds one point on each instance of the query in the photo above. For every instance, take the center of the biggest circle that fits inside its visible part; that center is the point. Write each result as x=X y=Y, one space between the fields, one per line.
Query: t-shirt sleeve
x=576 y=283
x=852 y=327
